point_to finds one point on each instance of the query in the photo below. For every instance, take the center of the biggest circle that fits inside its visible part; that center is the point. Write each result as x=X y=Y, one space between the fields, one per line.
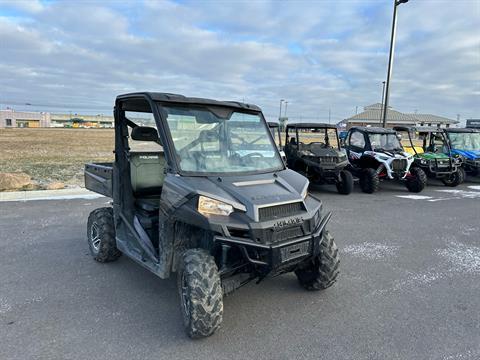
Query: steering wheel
x=257 y=154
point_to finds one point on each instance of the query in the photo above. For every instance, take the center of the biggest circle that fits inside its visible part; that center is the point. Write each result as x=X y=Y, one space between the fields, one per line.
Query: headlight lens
x=207 y=206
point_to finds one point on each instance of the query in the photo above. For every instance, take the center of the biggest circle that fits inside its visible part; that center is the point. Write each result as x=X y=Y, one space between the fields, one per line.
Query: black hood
x=252 y=191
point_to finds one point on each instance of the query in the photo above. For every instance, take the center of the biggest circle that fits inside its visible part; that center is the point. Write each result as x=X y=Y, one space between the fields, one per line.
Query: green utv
x=200 y=191
x=433 y=155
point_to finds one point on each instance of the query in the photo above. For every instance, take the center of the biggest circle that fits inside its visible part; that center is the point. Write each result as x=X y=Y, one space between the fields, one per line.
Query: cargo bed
x=98 y=178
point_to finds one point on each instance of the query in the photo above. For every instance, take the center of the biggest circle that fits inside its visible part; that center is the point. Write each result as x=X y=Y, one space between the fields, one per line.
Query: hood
x=431 y=156
x=468 y=154
x=251 y=192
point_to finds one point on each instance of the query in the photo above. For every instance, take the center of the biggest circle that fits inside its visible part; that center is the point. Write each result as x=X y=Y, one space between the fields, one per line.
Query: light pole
x=390 y=59
x=383 y=98
x=285 y=113
x=280 y=113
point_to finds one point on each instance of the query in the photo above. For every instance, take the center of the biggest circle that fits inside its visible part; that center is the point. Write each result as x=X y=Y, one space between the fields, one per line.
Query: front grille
x=443 y=163
x=399 y=165
x=287 y=234
x=279 y=211
x=328 y=159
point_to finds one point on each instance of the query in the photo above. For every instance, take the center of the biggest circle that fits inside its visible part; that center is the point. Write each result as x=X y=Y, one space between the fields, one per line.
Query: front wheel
x=416 y=181
x=101 y=235
x=345 y=184
x=369 y=180
x=320 y=272
x=201 y=294
x=455 y=179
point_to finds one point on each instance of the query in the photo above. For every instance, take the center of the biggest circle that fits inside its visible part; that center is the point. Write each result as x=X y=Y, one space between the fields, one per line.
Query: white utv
x=376 y=154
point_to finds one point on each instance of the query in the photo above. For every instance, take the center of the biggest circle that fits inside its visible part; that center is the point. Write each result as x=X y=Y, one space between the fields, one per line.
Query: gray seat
x=147 y=176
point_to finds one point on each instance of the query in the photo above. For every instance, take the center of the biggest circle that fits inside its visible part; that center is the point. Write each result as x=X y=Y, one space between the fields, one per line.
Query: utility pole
x=390 y=58
x=383 y=98
x=280 y=113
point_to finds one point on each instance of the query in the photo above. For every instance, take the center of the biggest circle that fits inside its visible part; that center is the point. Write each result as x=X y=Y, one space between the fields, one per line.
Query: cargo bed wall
x=98 y=178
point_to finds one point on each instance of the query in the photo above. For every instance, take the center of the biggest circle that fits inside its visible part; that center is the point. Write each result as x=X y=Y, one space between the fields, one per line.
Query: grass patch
x=49 y=155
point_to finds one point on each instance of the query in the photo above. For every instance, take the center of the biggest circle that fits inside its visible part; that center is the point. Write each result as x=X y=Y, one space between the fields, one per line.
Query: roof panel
x=180 y=99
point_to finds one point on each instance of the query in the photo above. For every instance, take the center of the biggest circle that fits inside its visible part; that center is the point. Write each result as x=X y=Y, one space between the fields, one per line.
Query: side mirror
x=144 y=133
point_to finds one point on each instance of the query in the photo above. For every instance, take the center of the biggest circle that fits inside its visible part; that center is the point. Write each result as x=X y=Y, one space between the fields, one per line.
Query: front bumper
x=442 y=167
x=288 y=253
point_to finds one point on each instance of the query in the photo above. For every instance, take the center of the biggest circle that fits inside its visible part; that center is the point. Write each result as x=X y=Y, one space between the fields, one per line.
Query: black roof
x=311 y=126
x=422 y=129
x=374 y=130
x=180 y=99
x=462 y=130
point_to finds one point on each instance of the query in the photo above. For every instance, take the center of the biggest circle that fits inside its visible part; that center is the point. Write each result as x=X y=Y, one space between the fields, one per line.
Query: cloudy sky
x=318 y=55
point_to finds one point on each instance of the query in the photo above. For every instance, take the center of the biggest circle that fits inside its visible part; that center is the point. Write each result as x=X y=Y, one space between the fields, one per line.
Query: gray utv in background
x=277 y=136
x=313 y=150
x=199 y=189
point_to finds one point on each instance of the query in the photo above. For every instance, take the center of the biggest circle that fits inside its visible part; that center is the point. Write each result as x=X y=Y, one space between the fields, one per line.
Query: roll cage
x=365 y=131
x=148 y=102
x=430 y=139
x=314 y=126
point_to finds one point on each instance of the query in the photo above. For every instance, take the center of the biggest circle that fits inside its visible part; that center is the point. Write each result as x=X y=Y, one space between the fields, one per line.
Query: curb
x=63 y=194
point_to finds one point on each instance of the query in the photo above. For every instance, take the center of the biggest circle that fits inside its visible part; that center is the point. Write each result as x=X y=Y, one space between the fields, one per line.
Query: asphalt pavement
x=409 y=288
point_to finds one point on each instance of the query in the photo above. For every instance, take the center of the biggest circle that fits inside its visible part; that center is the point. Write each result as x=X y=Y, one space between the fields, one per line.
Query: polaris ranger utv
x=199 y=189
x=434 y=156
x=466 y=144
x=376 y=154
x=314 y=151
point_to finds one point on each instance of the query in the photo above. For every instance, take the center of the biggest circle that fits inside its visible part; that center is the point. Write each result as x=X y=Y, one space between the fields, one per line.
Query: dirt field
x=50 y=155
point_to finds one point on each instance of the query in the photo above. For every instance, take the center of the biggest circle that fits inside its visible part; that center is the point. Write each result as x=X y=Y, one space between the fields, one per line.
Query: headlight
x=423 y=161
x=207 y=206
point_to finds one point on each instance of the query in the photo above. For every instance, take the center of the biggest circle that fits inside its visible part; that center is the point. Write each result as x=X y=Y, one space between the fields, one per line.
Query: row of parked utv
x=374 y=154
x=199 y=189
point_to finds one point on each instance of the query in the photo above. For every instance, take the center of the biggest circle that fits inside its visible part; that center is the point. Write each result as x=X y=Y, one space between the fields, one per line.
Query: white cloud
x=316 y=55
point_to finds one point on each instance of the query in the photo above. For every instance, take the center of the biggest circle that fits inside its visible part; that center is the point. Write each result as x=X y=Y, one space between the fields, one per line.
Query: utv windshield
x=387 y=142
x=219 y=141
x=323 y=137
x=465 y=141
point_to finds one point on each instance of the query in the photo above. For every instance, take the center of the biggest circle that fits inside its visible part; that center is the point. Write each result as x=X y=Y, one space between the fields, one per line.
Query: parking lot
x=409 y=288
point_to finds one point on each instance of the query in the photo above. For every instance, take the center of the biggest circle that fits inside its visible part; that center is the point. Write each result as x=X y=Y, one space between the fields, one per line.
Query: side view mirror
x=144 y=133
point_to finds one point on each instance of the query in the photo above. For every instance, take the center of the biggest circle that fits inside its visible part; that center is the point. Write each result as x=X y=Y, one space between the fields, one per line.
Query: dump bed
x=98 y=178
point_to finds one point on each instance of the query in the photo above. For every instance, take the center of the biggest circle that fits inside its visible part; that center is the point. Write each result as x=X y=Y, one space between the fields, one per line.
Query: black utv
x=376 y=154
x=199 y=189
x=313 y=150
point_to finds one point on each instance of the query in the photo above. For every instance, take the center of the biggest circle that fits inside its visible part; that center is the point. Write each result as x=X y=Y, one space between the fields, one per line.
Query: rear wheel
x=101 y=235
x=455 y=179
x=321 y=272
x=416 y=181
x=369 y=180
x=345 y=185
x=201 y=294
